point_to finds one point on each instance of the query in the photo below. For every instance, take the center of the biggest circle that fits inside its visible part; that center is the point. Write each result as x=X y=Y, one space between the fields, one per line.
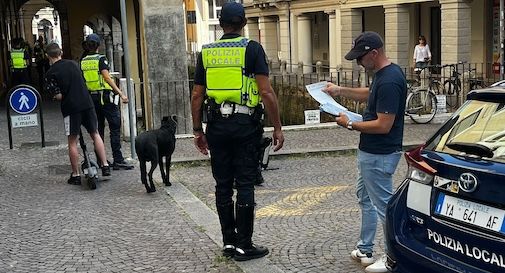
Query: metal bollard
x=284 y=71
x=283 y=67
x=362 y=78
x=299 y=71
x=319 y=70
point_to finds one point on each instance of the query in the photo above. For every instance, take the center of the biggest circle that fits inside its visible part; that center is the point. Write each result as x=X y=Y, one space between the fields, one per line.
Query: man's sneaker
x=378 y=267
x=121 y=165
x=228 y=251
x=246 y=254
x=74 y=180
x=364 y=258
x=106 y=170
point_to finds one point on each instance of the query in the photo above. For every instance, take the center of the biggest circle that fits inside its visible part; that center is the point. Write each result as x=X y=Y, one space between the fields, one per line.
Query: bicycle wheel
x=457 y=87
x=478 y=84
x=421 y=106
x=448 y=87
x=436 y=87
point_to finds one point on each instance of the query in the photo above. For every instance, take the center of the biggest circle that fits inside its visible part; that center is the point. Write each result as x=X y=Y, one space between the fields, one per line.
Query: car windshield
x=477 y=129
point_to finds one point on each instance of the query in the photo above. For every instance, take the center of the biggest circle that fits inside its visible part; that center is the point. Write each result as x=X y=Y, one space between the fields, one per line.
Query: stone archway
x=109 y=29
x=45 y=29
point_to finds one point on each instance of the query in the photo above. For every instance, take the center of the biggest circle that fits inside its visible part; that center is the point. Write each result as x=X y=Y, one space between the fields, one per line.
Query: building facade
x=202 y=22
x=309 y=31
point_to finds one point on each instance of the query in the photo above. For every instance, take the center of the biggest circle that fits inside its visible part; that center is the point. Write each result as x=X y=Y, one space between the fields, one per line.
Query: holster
x=259 y=113
x=210 y=111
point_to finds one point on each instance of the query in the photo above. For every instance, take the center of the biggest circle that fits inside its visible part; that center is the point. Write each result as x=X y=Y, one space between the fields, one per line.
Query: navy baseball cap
x=364 y=43
x=232 y=12
x=93 y=38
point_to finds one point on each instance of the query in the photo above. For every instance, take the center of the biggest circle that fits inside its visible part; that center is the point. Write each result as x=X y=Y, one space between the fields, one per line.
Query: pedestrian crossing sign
x=23 y=100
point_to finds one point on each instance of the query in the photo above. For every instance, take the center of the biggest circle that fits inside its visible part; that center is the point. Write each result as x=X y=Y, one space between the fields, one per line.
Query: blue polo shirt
x=388 y=93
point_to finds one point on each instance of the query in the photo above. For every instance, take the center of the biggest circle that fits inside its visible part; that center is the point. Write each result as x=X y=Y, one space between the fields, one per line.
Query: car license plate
x=470 y=212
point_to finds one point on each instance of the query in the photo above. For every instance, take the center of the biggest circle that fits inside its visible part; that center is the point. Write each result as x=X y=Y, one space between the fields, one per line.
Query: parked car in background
x=448 y=215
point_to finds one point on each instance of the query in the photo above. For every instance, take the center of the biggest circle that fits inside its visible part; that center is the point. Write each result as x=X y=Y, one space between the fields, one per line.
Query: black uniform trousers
x=20 y=76
x=111 y=112
x=233 y=144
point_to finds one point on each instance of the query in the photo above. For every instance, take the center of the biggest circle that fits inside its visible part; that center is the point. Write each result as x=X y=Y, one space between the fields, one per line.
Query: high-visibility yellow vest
x=224 y=63
x=18 y=58
x=92 y=74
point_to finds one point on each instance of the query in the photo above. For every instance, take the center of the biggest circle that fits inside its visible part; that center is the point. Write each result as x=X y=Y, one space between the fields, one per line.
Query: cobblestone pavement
x=307 y=211
x=47 y=225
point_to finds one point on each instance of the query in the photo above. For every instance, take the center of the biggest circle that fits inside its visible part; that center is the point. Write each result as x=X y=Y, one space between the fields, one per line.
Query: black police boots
x=245 y=249
x=227 y=219
x=259 y=177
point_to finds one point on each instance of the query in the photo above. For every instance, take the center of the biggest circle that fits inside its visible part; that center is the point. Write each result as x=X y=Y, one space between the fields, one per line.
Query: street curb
x=438 y=119
x=295 y=153
x=203 y=216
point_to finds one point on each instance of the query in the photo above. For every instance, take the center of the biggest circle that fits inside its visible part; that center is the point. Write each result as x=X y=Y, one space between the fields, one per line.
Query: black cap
x=363 y=44
x=232 y=12
x=93 y=38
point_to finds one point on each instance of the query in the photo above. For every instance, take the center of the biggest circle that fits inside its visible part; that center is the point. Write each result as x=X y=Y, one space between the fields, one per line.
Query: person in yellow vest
x=104 y=93
x=232 y=77
x=20 y=61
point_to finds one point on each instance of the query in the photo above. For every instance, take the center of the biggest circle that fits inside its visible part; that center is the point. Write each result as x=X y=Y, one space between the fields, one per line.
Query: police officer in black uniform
x=20 y=62
x=232 y=73
x=104 y=91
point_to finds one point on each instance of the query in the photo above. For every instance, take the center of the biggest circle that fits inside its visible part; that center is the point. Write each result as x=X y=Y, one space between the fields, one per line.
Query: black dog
x=153 y=146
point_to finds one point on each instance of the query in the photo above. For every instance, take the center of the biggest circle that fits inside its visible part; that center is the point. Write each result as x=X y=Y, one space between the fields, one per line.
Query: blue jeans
x=374 y=189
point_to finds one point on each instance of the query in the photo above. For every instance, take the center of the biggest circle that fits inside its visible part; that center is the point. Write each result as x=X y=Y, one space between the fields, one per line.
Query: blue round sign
x=23 y=100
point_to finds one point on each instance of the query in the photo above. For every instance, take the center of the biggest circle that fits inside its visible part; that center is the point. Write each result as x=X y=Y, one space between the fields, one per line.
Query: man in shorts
x=65 y=83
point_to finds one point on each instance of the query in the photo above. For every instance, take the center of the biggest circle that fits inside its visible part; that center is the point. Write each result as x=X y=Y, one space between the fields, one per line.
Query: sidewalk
x=298 y=139
x=312 y=139
x=50 y=226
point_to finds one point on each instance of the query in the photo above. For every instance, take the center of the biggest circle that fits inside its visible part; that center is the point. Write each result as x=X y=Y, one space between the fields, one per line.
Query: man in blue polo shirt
x=380 y=140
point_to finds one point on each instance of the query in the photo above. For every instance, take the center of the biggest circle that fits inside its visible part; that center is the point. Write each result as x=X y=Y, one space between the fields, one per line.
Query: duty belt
x=227 y=109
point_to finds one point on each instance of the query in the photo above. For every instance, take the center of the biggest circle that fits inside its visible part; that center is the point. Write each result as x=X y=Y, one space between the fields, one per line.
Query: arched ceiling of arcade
x=73 y=15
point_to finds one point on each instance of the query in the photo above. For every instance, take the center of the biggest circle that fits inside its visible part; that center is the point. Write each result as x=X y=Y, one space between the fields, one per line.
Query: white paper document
x=332 y=110
x=316 y=91
x=328 y=104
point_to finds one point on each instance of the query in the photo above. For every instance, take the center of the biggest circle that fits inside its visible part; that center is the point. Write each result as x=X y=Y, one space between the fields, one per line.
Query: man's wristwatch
x=197 y=129
x=349 y=125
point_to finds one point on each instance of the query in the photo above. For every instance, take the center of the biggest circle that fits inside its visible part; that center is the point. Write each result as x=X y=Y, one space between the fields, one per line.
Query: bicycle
x=433 y=82
x=474 y=81
x=453 y=83
x=421 y=105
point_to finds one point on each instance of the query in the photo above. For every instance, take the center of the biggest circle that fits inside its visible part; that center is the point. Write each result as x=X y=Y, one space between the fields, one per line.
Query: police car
x=448 y=215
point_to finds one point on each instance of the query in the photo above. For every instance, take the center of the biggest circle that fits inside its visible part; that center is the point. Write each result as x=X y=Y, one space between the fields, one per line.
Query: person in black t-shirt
x=65 y=83
x=381 y=137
